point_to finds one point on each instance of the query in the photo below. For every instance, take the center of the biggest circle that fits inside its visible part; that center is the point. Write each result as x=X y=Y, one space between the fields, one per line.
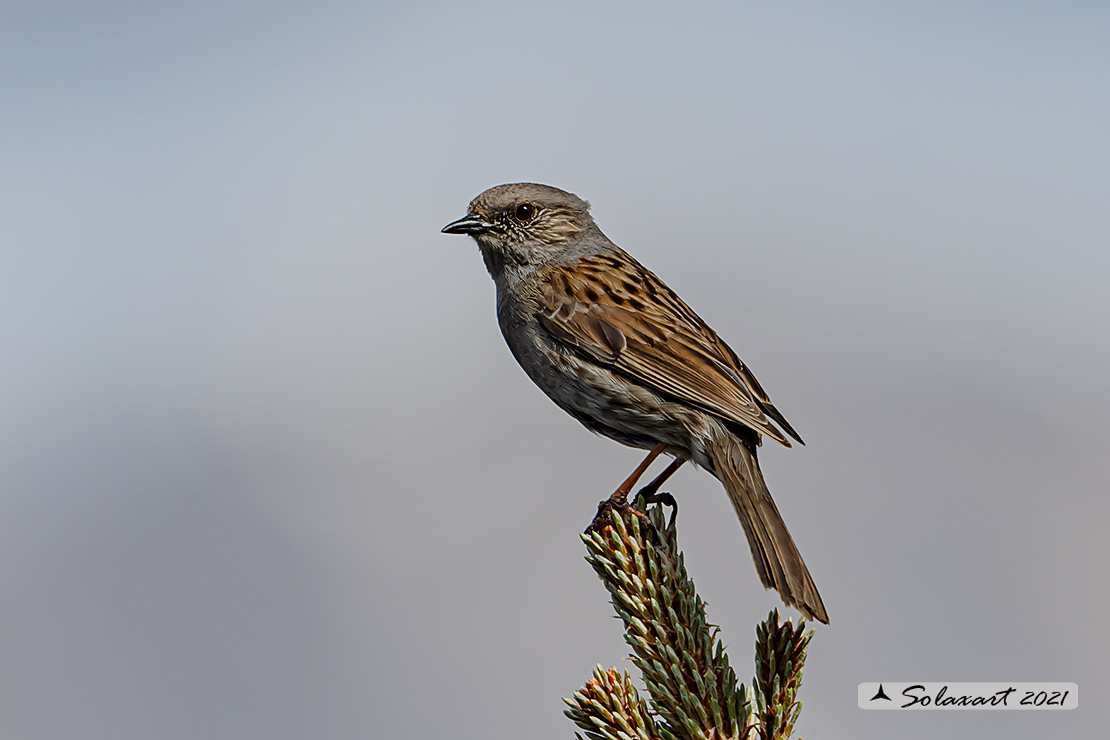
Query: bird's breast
x=591 y=392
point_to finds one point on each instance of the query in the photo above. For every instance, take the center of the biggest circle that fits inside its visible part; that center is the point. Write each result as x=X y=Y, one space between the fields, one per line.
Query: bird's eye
x=525 y=212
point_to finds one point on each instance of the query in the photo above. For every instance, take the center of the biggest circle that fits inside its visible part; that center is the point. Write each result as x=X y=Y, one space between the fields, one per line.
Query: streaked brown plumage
x=613 y=346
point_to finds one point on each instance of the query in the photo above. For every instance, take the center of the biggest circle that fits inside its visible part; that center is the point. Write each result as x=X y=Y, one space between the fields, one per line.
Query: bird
x=619 y=351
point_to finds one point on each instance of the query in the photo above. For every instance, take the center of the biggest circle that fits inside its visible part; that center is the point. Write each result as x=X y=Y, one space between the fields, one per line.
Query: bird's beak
x=469 y=224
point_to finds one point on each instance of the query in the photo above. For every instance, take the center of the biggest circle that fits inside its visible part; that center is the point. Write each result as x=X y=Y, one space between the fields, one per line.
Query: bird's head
x=523 y=223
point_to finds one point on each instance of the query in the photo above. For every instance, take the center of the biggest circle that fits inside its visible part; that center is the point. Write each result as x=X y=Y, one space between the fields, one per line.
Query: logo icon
x=880 y=694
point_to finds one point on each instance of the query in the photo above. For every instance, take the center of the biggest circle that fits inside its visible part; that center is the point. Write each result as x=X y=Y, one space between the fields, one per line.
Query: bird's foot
x=648 y=497
x=617 y=502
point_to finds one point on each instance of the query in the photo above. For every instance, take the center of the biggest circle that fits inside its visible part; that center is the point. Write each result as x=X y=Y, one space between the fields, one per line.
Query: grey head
x=527 y=224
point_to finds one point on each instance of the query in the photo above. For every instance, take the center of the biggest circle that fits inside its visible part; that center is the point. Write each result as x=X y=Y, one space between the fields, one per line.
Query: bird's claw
x=647 y=498
x=617 y=502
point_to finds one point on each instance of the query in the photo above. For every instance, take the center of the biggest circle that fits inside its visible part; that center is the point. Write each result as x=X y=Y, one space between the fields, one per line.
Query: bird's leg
x=650 y=494
x=649 y=490
x=619 y=499
x=626 y=488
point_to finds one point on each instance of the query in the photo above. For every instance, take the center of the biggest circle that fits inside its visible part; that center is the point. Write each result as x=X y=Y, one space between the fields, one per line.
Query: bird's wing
x=618 y=313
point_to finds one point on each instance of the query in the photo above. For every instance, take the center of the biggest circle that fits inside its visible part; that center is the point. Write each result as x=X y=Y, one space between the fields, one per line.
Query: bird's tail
x=777 y=559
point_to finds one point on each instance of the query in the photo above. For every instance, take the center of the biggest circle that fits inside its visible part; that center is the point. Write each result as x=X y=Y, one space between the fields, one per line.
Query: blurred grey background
x=267 y=469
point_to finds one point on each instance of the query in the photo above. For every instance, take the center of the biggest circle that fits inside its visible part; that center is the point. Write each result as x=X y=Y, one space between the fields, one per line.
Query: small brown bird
x=616 y=349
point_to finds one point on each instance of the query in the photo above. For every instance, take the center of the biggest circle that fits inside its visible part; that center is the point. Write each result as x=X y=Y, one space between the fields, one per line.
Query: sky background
x=267 y=469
